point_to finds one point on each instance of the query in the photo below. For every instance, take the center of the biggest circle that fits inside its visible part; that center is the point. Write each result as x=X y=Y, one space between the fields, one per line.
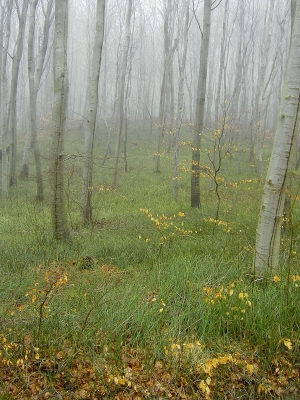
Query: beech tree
x=121 y=92
x=35 y=72
x=271 y=212
x=59 y=116
x=91 y=116
x=12 y=121
x=200 y=106
x=180 y=105
x=170 y=45
x=6 y=14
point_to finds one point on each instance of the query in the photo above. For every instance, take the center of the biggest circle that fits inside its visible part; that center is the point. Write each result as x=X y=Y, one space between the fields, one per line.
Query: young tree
x=35 y=71
x=170 y=46
x=200 y=106
x=261 y=89
x=6 y=14
x=86 y=200
x=271 y=212
x=59 y=116
x=178 y=119
x=122 y=91
x=12 y=122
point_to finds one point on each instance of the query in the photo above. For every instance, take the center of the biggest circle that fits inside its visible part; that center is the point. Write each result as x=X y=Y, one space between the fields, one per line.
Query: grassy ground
x=156 y=300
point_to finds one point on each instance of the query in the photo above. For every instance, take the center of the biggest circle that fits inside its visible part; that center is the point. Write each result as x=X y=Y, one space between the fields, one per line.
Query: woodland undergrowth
x=155 y=300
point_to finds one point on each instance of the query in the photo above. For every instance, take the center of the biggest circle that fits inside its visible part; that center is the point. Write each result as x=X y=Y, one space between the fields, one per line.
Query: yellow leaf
x=250 y=368
x=203 y=386
x=288 y=344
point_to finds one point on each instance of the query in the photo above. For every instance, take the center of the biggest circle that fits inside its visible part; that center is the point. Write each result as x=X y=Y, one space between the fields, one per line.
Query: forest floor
x=154 y=300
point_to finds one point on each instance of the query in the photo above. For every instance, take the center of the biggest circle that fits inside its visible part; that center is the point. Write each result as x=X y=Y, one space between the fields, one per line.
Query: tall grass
x=145 y=278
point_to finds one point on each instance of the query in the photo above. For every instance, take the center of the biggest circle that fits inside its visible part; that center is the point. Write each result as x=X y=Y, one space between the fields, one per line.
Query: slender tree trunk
x=238 y=74
x=221 y=75
x=4 y=97
x=13 y=92
x=200 y=106
x=261 y=91
x=168 y=59
x=178 y=119
x=270 y=218
x=59 y=116
x=35 y=75
x=93 y=94
x=122 y=92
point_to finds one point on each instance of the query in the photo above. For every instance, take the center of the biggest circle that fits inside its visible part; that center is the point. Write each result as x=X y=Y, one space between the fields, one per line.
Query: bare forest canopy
x=244 y=32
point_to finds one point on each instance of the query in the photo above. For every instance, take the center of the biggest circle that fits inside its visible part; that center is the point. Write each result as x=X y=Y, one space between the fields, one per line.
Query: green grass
x=134 y=284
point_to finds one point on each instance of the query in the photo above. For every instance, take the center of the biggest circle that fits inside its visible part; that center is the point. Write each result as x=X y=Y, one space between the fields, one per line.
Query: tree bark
x=35 y=75
x=178 y=119
x=12 y=124
x=59 y=116
x=122 y=92
x=168 y=59
x=6 y=25
x=200 y=106
x=91 y=117
x=271 y=213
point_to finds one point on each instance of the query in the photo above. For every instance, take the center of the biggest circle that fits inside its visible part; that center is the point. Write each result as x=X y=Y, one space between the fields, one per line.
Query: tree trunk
x=178 y=119
x=168 y=59
x=35 y=75
x=270 y=218
x=59 y=116
x=261 y=91
x=12 y=125
x=6 y=25
x=122 y=92
x=91 y=117
x=200 y=106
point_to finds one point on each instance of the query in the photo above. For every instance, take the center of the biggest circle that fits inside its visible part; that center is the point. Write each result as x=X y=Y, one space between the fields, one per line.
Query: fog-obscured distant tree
x=59 y=116
x=91 y=115
x=36 y=63
x=200 y=106
x=262 y=82
x=221 y=75
x=178 y=118
x=6 y=14
x=170 y=45
x=271 y=212
x=121 y=91
x=12 y=113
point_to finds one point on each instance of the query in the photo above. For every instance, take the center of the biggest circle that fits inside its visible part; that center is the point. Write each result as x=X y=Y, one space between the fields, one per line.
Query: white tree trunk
x=91 y=116
x=12 y=124
x=270 y=218
x=59 y=116
x=4 y=90
x=35 y=70
x=200 y=106
x=178 y=118
x=170 y=45
x=122 y=91
x=261 y=91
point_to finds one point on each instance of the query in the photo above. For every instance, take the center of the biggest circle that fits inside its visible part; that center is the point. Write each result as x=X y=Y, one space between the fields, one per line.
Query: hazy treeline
x=245 y=36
